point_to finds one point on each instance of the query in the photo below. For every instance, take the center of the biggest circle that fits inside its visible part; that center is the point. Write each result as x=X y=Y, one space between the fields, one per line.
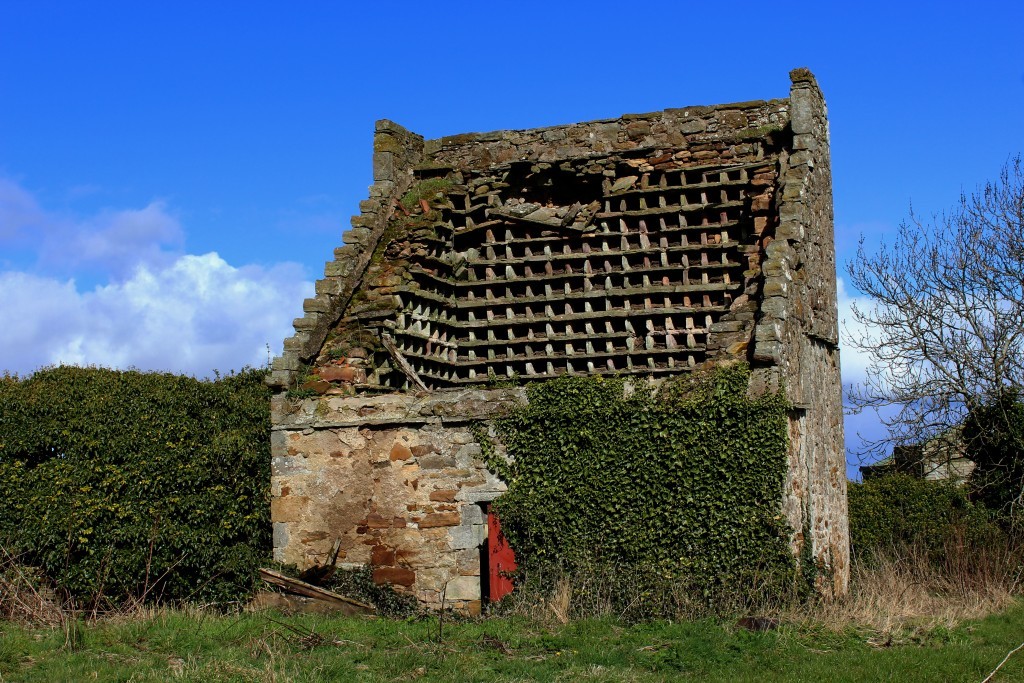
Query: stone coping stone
x=460 y=139
x=445 y=405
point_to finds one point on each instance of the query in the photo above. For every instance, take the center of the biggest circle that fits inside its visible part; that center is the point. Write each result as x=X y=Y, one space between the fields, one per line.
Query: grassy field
x=266 y=647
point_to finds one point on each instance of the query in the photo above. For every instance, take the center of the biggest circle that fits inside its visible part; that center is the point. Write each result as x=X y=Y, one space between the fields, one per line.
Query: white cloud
x=196 y=315
x=156 y=309
x=854 y=361
x=118 y=241
x=112 y=242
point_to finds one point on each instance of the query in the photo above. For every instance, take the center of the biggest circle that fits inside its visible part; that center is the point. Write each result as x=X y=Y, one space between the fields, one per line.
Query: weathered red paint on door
x=500 y=559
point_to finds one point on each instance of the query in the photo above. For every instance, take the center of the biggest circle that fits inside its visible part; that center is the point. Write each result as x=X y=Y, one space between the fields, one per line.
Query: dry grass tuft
x=893 y=593
x=905 y=589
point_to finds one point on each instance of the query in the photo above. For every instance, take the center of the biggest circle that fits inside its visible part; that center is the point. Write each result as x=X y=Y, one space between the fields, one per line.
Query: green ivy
x=685 y=482
x=132 y=485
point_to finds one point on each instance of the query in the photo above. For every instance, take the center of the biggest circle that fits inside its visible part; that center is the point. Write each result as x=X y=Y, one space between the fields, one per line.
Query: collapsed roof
x=629 y=246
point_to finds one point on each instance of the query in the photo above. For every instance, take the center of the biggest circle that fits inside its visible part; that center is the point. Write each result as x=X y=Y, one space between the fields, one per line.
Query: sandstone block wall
x=797 y=337
x=397 y=480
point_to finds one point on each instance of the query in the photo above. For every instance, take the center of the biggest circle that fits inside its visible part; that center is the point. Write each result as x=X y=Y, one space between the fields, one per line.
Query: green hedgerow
x=898 y=510
x=133 y=485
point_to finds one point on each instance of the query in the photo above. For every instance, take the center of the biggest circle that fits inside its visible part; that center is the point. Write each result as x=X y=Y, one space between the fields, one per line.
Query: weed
x=507 y=382
x=424 y=189
x=358 y=584
x=298 y=394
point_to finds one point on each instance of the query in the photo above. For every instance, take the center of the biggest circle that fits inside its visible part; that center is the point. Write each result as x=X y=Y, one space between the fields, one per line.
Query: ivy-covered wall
x=684 y=481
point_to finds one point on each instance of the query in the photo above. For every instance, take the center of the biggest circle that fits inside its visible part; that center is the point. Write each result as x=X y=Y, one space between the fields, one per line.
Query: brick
x=357 y=235
x=463 y=588
x=638 y=129
x=342 y=373
x=382 y=555
x=443 y=496
x=437 y=462
x=375 y=521
x=400 y=452
x=288 y=508
x=318 y=304
x=396 y=576
x=693 y=126
x=440 y=519
x=738 y=348
x=319 y=386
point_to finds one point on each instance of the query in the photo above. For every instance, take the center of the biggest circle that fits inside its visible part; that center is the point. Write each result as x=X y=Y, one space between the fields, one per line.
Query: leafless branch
x=944 y=326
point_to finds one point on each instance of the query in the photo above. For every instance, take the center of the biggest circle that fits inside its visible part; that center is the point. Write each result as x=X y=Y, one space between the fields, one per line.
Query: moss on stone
x=424 y=189
x=388 y=143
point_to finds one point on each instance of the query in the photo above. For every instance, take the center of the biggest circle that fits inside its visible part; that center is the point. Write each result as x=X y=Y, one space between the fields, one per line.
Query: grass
x=197 y=646
x=908 y=617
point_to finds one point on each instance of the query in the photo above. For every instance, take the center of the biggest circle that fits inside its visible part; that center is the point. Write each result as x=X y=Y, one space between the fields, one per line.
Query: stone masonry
x=646 y=245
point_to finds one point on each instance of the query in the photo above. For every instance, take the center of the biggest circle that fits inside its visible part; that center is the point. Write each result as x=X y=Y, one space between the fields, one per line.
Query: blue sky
x=173 y=176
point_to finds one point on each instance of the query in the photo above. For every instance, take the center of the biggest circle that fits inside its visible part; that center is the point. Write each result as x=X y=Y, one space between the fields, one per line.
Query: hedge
x=897 y=510
x=132 y=485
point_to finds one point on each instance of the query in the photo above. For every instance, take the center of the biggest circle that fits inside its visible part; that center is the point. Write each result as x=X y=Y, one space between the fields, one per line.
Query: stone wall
x=797 y=337
x=700 y=134
x=396 y=480
x=395 y=152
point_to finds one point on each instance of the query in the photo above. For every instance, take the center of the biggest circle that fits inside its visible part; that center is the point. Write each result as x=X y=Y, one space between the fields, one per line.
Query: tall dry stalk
x=23 y=599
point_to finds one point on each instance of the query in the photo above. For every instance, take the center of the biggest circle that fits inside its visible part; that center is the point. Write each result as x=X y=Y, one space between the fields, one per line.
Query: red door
x=500 y=559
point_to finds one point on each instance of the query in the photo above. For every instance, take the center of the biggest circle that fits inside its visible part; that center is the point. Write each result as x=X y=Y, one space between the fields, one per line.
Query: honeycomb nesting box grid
x=511 y=288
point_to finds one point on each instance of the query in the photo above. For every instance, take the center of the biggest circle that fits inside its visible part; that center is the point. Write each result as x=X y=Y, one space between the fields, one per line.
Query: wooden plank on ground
x=310 y=591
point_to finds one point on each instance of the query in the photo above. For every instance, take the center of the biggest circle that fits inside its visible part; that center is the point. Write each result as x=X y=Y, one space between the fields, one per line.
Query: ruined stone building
x=940 y=458
x=646 y=246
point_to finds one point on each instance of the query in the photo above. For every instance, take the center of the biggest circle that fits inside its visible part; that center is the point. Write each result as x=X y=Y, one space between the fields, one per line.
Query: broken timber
x=308 y=590
x=403 y=364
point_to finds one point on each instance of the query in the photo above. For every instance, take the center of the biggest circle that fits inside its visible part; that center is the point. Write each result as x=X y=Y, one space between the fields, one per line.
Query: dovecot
x=644 y=246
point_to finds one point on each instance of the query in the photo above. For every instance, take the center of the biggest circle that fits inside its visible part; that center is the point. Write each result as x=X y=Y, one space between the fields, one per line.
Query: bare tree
x=944 y=326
